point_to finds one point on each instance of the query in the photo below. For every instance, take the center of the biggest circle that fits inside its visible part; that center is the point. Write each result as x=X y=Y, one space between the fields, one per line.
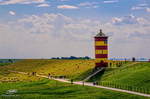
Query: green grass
x=4 y=64
x=135 y=76
x=13 y=77
x=131 y=75
x=49 y=89
x=69 y=68
x=73 y=69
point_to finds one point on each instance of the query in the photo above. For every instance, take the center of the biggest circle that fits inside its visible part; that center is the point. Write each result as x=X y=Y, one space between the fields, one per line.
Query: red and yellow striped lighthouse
x=101 y=49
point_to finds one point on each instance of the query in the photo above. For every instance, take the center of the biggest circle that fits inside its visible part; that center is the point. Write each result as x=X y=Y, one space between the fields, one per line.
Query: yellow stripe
x=101 y=59
x=100 y=43
x=101 y=51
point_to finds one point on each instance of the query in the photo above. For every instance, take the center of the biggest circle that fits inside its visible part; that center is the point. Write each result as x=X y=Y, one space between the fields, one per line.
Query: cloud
x=7 y=2
x=131 y=24
x=59 y=25
x=130 y=37
x=52 y=35
x=130 y=19
x=110 y=1
x=67 y=7
x=64 y=0
x=47 y=35
x=116 y=20
x=89 y=4
x=148 y=9
x=141 y=6
x=140 y=34
x=12 y=13
x=137 y=8
x=43 y=5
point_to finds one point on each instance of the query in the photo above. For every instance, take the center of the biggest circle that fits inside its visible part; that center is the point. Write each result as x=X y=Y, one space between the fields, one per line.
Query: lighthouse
x=101 y=50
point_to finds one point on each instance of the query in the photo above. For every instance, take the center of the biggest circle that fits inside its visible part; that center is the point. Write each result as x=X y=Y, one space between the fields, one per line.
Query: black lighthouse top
x=100 y=34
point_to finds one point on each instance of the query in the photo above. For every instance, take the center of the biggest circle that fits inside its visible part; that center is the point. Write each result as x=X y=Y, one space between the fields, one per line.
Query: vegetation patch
x=50 y=89
x=134 y=76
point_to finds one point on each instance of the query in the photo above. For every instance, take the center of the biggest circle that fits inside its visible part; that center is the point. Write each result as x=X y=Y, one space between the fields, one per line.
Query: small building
x=101 y=49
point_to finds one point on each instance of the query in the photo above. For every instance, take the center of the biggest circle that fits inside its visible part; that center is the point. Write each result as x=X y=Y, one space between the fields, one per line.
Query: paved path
x=90 y=84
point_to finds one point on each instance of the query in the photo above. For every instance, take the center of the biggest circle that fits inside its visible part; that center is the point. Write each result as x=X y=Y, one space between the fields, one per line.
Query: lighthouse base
x=101 y=64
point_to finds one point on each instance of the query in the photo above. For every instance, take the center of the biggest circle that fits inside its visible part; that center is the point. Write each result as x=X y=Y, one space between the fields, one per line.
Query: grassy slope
x=132 y=74
x=69 y=68
x=136 y=75
x=49 y=89
x=4 y=64
x=13 y=77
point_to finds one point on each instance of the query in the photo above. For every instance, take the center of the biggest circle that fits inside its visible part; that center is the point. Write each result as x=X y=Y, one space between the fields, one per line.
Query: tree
x=10 y=61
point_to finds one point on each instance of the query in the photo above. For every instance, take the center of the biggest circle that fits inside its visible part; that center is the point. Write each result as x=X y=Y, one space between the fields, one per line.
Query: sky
x=56 y=28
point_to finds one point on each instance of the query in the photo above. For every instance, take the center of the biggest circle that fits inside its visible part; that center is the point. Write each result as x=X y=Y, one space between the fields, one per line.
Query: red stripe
x=98 y=64
x=101 y=47
x=100 y=38
x=101 y=55
x=101 y=64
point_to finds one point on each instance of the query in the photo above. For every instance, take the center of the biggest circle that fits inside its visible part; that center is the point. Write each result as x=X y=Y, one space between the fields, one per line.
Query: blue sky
x=84 y=8
x=50 y=28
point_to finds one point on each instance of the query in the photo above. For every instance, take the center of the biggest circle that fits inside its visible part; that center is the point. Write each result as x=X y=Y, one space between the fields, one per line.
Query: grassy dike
x=73 y=69
x=70 y=68
x=50 y=89
x=131 y=77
